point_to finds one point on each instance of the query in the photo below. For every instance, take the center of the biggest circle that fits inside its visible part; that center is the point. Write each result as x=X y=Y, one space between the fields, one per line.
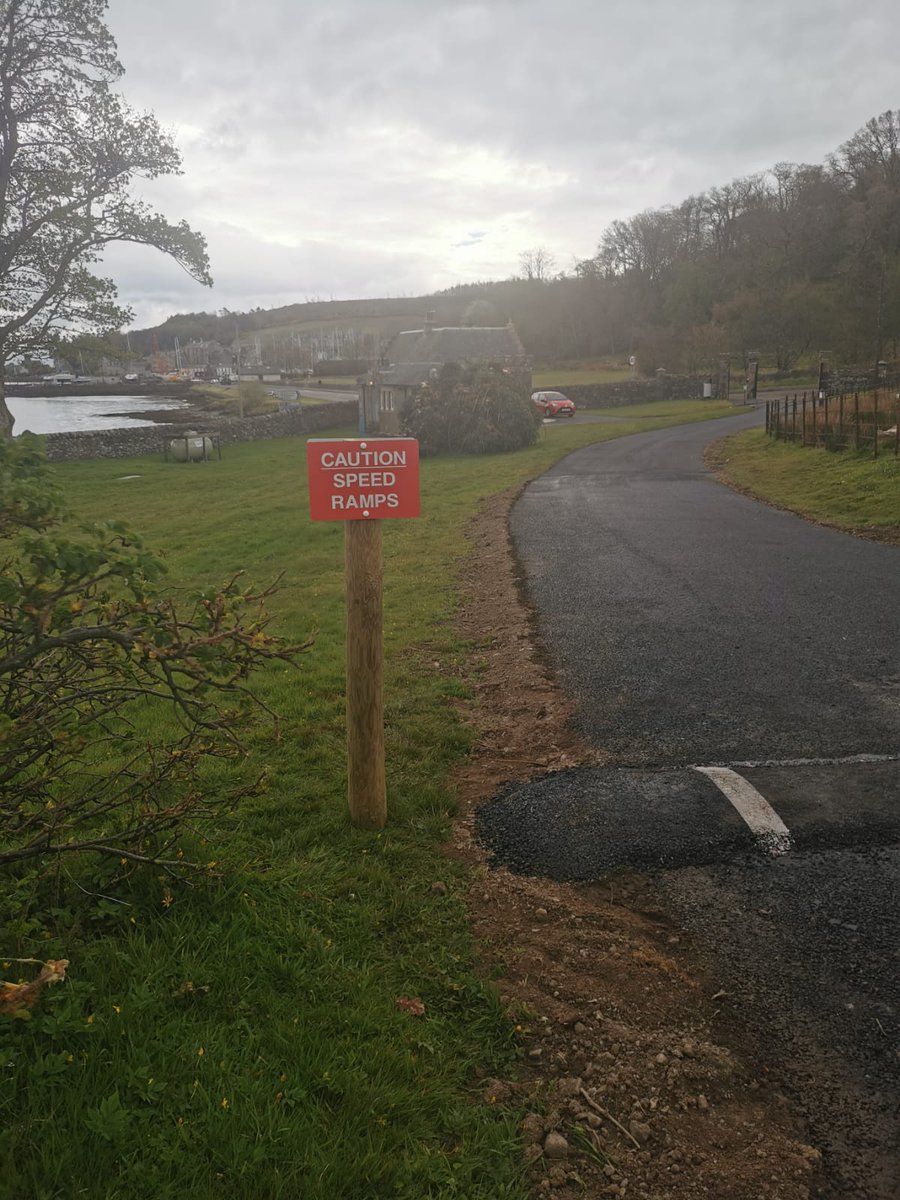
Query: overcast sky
x=347 y=148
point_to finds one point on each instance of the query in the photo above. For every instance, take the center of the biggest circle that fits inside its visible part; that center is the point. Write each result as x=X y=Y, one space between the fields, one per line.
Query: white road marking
x=755 y=810
x=845 y=760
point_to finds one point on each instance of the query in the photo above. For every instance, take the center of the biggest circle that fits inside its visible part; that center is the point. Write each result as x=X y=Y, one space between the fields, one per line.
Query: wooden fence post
x=366 y=788
x=875 y=427
x=856 y=420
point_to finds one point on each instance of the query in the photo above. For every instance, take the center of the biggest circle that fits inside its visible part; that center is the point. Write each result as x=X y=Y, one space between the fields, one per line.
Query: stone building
x=417 y=355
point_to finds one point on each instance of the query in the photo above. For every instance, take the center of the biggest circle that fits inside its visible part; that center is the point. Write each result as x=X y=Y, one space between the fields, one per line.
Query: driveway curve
x=695 y=625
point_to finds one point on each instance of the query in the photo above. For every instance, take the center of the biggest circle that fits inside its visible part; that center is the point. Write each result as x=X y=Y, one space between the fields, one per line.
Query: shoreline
x=44 y=391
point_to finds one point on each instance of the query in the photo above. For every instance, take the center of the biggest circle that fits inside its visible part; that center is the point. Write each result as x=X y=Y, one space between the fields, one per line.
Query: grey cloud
x=373 y=136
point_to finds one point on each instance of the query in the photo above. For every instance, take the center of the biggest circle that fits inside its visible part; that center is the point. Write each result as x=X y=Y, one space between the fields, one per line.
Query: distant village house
x=417 y=355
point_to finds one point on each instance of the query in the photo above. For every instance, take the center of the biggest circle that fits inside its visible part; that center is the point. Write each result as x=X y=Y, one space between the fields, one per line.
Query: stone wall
x=634 y=391
x=151 y=439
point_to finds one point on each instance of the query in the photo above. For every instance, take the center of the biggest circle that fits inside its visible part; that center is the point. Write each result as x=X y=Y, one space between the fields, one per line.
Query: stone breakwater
x=151 y=439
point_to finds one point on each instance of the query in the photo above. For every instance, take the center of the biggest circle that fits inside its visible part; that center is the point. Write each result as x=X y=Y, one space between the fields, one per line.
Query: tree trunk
x=6 y=418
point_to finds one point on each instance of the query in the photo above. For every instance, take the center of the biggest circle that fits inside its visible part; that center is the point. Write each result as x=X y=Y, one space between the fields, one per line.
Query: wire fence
x=859 y=420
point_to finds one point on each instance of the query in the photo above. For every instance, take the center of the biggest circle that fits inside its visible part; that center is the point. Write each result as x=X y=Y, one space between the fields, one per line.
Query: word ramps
x=361 y=479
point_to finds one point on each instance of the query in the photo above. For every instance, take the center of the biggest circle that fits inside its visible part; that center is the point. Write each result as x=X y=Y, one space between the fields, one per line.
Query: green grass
x=850 y=490
x=689 y=410
x=598 y=371
x=341 y=382
x=238 y=1037
x=385 y=325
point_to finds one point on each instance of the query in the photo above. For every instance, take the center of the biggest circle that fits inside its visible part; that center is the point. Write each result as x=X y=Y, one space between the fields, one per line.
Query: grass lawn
x=852 y=491
x=238 y=1036
x=338 y=383
x=599 y=371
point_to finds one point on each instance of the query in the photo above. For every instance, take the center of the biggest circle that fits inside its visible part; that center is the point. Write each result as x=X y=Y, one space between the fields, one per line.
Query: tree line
x=794 y=260
x=787 y=263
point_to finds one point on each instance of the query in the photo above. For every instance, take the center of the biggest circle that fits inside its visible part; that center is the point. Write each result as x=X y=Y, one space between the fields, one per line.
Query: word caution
x=364 y=479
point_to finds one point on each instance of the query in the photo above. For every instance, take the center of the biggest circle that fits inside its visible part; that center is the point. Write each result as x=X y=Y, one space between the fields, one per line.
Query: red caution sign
x=362 y=479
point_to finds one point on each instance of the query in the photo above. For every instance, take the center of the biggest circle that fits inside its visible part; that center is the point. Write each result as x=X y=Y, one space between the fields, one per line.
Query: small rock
x=702 y=1103
x=556 y=1146
x=579 y=1027
x=535 y=1054
x=568 y=1086
x=661 y=1059
x=639 y=1131
x=533 y=1127
x=541 y=914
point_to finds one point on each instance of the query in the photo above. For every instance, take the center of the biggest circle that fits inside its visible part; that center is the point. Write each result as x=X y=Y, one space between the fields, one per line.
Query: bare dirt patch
x=635 y=1078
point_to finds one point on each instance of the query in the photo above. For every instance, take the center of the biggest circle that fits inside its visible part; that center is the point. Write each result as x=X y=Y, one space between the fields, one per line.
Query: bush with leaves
x=93 y=651
x=472 y=410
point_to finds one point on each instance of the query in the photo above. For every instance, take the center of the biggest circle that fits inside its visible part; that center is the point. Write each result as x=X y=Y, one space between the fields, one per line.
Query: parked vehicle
x=553 y=404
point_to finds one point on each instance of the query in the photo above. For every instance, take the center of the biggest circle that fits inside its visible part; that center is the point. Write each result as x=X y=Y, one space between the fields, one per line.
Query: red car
x=553 y=404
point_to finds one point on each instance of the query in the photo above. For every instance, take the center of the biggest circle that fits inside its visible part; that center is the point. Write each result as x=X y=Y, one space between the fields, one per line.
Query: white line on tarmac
x=846 y=760
x=757 y=813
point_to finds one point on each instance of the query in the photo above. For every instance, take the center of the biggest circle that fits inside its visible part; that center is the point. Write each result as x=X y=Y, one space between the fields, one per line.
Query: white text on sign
x=363 y=479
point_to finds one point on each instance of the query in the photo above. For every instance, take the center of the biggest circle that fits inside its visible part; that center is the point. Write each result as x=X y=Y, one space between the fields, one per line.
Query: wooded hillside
x=796 y=260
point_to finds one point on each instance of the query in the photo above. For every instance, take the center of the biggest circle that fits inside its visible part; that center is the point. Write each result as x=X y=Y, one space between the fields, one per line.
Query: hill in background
x=781 y=264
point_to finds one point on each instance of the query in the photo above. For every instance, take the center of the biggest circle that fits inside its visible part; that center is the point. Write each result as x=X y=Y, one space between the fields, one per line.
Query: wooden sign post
x=361 y=481
x=366 y=791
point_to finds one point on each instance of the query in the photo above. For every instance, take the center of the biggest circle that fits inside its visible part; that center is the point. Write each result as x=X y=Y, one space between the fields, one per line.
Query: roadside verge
x=848 y=491
x=636 y=1077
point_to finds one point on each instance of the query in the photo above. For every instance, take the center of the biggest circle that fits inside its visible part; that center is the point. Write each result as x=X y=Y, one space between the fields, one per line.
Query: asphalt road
x=738 y=670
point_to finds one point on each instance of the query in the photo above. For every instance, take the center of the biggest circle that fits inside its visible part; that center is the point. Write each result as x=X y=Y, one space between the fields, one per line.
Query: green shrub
x=472 y=410
x=89 y=639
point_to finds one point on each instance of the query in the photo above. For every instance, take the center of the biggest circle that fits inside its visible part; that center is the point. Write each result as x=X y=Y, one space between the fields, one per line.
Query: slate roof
x=407 y=374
